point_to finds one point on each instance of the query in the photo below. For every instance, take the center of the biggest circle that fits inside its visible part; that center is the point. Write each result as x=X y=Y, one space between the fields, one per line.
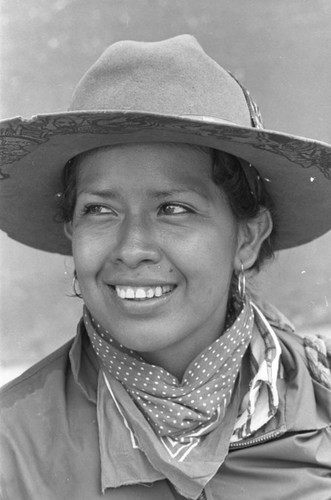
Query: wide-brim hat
x=168 y=91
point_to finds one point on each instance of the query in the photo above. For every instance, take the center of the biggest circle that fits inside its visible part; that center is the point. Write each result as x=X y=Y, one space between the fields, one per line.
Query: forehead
x=163 y=162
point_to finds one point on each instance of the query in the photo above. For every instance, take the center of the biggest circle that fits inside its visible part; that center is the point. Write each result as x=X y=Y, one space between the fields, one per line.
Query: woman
x=177 y=385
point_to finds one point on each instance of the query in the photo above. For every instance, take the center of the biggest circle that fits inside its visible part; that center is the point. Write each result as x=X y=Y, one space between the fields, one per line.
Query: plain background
x=280 y=50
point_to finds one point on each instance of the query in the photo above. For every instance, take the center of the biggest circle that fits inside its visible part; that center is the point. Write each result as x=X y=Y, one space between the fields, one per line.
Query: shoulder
x=33 y=416
x=307 y=378
x=310 y=351
x=46 y=426
x=36 y=381
x=318 y=354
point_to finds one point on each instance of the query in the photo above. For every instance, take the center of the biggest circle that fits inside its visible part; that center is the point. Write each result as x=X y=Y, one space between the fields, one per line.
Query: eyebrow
x=156 y=194
x=103 y=193
x=180 y=190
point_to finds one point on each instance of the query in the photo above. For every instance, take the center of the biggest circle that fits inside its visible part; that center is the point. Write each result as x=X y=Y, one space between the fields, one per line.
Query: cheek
x=86 y=252
x=206 y=258
x=219 y=266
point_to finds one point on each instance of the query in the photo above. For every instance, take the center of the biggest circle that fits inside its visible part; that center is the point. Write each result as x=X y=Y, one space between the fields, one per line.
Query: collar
x=84 y=364
x=261 y=402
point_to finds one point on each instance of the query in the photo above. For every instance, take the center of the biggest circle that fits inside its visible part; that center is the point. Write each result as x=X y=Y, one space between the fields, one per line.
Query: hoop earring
x=242 y=283
x=75 y=286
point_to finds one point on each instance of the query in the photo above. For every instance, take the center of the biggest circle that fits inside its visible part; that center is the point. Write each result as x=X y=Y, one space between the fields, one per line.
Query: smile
x=142 y=292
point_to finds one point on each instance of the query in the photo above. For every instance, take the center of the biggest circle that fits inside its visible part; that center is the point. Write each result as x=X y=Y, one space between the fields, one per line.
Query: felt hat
x=168 y=91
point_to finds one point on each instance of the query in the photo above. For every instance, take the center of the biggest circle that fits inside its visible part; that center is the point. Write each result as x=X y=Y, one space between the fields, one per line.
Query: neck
x=176 y=358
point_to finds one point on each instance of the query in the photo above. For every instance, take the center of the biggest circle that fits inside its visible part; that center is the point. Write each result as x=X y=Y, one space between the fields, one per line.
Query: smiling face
x=155 y=244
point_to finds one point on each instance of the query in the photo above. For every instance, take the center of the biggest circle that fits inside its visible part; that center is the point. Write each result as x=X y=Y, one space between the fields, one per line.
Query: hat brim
x=296 y=170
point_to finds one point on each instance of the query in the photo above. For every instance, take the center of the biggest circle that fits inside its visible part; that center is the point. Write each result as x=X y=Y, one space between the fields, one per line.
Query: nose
x=136 y=243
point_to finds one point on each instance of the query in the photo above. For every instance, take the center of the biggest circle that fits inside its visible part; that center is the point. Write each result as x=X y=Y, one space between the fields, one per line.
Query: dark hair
x=69 y=193
x=247 y=195
x=240 y=182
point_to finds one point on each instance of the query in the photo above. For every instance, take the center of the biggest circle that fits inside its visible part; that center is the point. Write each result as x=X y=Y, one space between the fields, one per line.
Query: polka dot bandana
x=177 y=410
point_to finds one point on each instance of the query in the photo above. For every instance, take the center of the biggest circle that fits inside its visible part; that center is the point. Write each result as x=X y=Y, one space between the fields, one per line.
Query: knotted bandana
x=179 y=409
x=178 y=424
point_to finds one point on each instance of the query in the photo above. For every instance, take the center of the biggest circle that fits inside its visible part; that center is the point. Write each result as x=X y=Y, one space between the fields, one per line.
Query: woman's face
x=155 y=244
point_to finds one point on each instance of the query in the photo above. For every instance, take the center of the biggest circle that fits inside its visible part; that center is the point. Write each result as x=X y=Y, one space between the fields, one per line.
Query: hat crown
x=174 y=77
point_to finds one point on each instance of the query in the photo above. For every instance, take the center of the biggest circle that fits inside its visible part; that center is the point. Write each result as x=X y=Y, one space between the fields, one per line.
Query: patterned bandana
x=175 y=409
x=261 y=401
x=177 y=424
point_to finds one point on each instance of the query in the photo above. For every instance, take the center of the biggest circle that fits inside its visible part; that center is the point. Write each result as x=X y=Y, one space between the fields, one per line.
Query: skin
x=150 y=214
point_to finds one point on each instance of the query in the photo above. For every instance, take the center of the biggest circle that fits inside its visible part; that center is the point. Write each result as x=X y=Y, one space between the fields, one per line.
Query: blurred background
x=281 y=51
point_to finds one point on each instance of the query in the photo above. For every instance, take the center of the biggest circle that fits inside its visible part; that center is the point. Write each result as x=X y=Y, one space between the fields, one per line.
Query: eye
x=174 y=209
x=95 y=209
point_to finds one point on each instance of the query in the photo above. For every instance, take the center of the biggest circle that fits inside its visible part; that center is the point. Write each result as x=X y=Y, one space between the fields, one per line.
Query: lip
x=140 y=283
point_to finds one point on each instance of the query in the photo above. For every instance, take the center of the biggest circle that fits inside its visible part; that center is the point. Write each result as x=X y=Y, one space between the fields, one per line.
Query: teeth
x=129 y=293
x=146 y=292
x=140 y=293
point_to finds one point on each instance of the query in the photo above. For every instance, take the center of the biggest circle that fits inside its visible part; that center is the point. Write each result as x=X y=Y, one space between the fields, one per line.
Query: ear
x=68 y=230
x=251 y=235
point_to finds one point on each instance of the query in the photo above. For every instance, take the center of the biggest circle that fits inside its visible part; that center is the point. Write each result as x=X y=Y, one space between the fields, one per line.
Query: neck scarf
x=183 y=428
x=261 y=401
